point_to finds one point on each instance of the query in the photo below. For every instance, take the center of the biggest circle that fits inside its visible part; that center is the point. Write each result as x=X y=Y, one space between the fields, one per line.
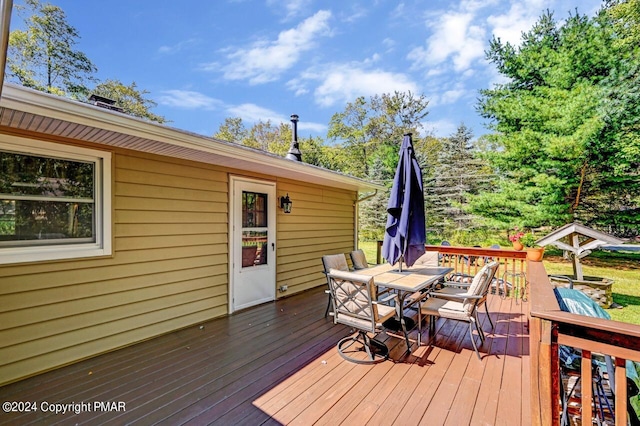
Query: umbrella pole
x=400 y=263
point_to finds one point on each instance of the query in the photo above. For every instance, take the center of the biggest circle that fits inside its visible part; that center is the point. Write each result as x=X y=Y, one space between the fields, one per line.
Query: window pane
x=44 y=199
x=7 y=218
x=47 y=220
x=22 y=174
x=254 y=210
x=254 y=248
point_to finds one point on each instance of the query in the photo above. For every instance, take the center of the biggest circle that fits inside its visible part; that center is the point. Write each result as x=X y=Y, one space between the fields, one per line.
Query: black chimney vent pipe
x=294 y=150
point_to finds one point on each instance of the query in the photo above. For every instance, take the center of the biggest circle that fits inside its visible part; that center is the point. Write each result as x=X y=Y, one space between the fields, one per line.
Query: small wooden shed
x=578 y=241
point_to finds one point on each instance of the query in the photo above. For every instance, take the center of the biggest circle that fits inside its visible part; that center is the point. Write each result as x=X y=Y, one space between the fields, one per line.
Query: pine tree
x=459 y=173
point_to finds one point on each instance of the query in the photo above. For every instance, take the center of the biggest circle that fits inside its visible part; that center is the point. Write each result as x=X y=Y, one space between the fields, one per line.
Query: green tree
x=558 y=157
x=130 y=99
x=277 y=139
x=460 y=173
x=269 y=137
x=371 y=129
x=626 y=20
x=372 y=213
x=620 y=139
x=232 y=130
x=315 y=152
x=43 y=56
x=349 y=128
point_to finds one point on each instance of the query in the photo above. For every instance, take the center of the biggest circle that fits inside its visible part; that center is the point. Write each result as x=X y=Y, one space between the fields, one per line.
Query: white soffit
x=30 y=110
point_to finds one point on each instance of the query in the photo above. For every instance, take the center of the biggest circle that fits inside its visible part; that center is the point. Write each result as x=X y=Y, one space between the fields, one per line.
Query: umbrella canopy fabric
x=405 y=233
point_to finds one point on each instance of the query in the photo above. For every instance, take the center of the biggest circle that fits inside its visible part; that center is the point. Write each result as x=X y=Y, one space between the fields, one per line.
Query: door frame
x=271 y=224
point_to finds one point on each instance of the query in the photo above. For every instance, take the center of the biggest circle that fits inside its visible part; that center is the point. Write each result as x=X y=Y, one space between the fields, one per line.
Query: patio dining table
x=406 y=282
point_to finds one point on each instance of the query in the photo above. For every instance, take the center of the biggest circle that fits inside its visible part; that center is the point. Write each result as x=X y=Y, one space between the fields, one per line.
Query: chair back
x=352 y=296
x=335 y=261
x=429 y=259
x=358 y=259
x=480 y=286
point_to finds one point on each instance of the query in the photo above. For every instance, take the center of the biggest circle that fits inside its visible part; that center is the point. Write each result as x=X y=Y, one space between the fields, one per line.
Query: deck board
x=277 y=364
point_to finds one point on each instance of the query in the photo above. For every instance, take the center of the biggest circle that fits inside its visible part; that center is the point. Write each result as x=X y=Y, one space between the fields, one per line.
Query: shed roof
x=30 y=110
x=591 y=238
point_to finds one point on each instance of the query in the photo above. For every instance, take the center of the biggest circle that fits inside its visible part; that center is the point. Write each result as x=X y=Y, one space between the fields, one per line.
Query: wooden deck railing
x=549 y=327
x=469 y=260
x=511 y=278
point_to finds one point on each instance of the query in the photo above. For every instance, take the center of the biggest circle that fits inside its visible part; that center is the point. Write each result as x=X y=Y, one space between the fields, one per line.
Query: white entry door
x=252 y=244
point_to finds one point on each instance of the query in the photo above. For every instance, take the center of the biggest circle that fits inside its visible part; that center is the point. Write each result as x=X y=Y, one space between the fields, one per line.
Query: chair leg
x=419 y=325
x=473 y=341
x=489 y=316
x=376 y=351
x=479 y=328
x=432 y=325
x=367 y=345
x=326 y=313
x=406 y=335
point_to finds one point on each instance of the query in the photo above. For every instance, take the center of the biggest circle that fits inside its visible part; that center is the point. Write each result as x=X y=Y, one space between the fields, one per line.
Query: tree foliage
x=458 y=173
x=561 y=151
x=130 y=99
x=232 y=130
x=43 y=56
x=372 y=130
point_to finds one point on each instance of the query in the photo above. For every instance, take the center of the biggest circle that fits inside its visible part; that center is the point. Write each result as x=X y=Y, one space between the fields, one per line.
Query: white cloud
x=187 y=99
x=252 y=113
x=292 y=7
x=266 y=60
x=339 y=83
x=441 y=128
x=176 y=48
x=451 y=96
x=475 y=5
x=305 y=126
x=455 y=37
x=508 y=26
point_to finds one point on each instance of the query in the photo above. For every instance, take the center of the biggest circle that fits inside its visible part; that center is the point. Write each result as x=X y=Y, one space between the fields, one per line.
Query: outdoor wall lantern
x=285 y=204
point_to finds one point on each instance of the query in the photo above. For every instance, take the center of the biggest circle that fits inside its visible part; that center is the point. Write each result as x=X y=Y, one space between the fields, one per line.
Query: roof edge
x=28 y=100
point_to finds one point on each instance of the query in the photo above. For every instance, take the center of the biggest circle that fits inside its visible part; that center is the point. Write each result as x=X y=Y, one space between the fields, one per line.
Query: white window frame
x=102 y=196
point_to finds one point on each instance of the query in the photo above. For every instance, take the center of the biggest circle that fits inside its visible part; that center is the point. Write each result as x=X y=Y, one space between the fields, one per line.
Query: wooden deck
x=277 y=364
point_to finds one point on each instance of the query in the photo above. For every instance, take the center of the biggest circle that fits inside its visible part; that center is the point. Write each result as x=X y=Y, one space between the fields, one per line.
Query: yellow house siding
x=168 y=270
x=321 y=222
x=169 y=267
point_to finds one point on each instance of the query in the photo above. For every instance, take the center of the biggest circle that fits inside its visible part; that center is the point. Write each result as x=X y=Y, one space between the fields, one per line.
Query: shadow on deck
x=277 y=364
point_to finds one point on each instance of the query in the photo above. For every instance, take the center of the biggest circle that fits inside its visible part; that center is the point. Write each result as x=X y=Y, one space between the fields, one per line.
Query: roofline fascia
x=29 y=100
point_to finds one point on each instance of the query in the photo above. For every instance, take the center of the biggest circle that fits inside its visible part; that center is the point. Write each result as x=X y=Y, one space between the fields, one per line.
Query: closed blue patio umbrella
x=405 y=233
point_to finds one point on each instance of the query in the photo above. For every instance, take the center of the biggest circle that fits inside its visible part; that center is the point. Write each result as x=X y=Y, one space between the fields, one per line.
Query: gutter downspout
x=5 y=24
x=355 y=216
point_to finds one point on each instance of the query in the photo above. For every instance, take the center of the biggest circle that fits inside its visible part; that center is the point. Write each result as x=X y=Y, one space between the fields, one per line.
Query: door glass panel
x=254 y=210
x=254 y=248
x=254 y=229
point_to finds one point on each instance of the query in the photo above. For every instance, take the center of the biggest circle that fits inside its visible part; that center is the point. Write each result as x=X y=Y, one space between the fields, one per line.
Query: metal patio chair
x=462 y=306
x=354 y=305
x=333 y=261
x=359 y=260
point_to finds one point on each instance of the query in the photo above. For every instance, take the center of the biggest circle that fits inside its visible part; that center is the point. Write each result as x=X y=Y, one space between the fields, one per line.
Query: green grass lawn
x=623 y=269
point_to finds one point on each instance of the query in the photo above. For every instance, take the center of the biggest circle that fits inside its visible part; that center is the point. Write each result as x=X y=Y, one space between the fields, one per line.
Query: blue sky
x=203 y=61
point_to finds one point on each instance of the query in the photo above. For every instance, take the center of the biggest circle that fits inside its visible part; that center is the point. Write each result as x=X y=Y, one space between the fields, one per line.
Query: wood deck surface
x=278 y=364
